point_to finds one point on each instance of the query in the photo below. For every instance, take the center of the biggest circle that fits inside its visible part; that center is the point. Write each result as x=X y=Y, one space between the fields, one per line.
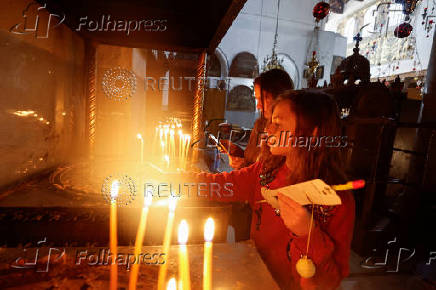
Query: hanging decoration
x=403 y=30
x=428 y=18
x=321 y=10
x=273 y=61
x=392 y=39
x=305 y=266
x=314 y=71
x=408 y=6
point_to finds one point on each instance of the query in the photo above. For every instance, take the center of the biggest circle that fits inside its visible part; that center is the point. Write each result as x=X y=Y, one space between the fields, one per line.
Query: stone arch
x=291 y=68
x=224 y=62
x=241 y=98
x=213 y=66
x=244 y=65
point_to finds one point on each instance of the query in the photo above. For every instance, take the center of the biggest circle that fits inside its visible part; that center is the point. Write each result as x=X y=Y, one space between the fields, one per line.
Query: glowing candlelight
x=183 y=233
x=154 y=144
x=182 y=151
x=113 y=234
x=148 y=197
x=172 y=144
x=166 y=139
x=172 y=285
x=162 y=144
x=209 y=229
x=172 y=202
x=187 y=141
x=139 y=136
x=167 y=160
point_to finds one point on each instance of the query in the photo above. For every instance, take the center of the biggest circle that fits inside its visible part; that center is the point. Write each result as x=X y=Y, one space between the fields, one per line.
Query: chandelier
x=273 y=61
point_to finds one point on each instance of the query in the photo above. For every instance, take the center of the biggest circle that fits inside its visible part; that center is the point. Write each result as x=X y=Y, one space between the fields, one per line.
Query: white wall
x=423 y=43
x=253 y=31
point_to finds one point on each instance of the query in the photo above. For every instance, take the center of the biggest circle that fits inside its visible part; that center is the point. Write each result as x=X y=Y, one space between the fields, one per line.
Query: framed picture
x=337 y=6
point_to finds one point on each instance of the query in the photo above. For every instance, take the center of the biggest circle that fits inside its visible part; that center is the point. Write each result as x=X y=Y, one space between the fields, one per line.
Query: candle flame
x=23 y=113
x=209 y=230
x=139 y=136
x=172 y=202
x=172 y=285
x=115 y=188
x=148 y=198
x=183 y=232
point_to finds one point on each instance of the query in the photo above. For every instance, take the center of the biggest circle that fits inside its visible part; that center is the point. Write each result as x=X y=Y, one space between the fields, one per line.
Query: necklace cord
x=310 y=230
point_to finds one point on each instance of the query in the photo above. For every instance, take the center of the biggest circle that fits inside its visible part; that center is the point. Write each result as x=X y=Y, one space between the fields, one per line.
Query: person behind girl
x=267 y=87
x=281 y=237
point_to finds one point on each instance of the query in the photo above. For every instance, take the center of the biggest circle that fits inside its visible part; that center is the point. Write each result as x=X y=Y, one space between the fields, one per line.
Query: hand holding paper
x=313 y=191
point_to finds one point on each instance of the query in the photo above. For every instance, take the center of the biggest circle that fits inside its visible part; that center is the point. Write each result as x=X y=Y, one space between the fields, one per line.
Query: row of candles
x=165 y=142
x=183 y=232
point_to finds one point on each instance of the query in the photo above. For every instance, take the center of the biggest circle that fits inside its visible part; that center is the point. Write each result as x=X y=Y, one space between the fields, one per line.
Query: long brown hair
x=274 y=81
x=312 y=110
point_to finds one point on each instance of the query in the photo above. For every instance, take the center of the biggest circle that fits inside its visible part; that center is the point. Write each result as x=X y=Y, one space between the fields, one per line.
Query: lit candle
x=172 y=285
x=113 y=234
x=183 y=256
x=188 y=142
x=167 y=160
x=209 y=229
x=180 y=147
x=154 y=144
x=162 y=144
x=139 y=240
x=183 y=140
x=139 y=136
x=173 y=145
x=167 y=130
x=167 y=241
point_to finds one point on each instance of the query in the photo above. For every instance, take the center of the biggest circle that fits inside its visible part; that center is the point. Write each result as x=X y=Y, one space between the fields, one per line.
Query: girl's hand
x=236 y=162
x=295 y=217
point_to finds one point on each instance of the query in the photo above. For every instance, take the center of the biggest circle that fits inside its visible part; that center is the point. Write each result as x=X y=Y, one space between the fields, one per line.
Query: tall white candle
x=209 y=230
x=184 y=277
x=113 y=235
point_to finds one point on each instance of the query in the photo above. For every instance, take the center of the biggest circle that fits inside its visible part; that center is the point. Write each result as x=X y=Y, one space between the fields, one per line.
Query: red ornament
x=321 y=10
x=403 y=30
